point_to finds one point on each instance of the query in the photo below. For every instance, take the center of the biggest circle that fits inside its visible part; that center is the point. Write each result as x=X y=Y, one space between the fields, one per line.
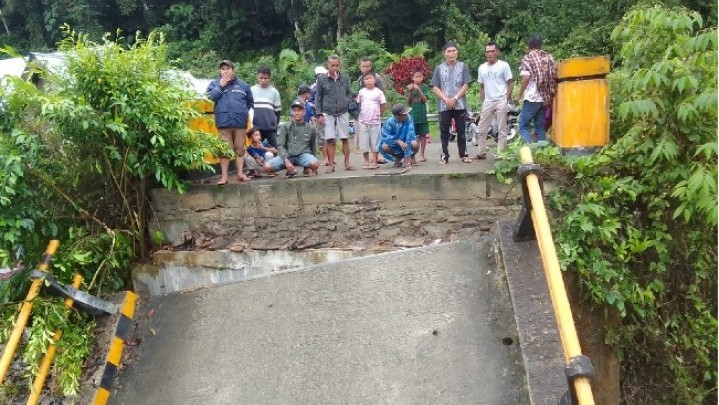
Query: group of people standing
x=451 y=80
x=274 y=147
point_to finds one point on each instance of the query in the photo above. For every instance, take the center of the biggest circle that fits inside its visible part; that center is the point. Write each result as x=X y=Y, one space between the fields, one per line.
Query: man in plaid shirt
x=539 y=85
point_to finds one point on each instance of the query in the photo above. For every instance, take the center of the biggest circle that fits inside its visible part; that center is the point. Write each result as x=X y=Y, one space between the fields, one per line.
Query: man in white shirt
x=495 y=91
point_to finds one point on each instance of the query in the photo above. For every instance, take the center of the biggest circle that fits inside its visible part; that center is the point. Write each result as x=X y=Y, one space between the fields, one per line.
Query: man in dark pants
x=450 y=82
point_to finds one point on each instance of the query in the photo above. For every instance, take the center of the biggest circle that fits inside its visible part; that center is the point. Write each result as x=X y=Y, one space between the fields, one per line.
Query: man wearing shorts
x=332 y=101
x=296 y=144
x=233 y=101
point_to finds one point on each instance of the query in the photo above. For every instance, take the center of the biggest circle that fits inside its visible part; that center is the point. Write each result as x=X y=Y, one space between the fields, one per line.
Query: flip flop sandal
x=243 y=178
x=442 y=162
x=222 y=183
x=291 y=174
x=349 y=168
x=481 y=156
x=422 y=159
x=330 y=170
x=466 y=160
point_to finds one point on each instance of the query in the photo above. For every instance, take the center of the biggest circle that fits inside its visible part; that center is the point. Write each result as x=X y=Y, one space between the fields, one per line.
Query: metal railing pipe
x=50 y=353
x=25 y=311
x=558 y=293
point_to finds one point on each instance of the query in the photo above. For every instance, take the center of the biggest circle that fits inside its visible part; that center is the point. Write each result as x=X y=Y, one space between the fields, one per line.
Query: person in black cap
x=233 y=101
x=399 y=142
x=450 y=82
x=296 y=144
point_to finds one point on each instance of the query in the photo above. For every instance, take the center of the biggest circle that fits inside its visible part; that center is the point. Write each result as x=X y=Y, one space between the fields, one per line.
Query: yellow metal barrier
x=50 y=353
x=570 y=342
x=25 y=312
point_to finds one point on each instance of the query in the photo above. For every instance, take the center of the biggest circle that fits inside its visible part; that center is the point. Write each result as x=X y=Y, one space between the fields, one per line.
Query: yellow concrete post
x=580 y=114
x=25 y=312
x=560 y=301
x=50 y=353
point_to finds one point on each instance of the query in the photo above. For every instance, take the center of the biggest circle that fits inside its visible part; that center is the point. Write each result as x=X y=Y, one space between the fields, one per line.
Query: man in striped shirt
x=268 y=106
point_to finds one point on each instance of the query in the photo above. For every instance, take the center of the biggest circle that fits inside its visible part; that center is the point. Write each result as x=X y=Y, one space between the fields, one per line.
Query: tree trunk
x=298 y=31
x=340 y=19
x=2 y=17
x=298 y=36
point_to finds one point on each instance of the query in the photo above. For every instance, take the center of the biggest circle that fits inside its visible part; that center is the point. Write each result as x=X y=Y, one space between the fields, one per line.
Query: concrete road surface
x=423 y=326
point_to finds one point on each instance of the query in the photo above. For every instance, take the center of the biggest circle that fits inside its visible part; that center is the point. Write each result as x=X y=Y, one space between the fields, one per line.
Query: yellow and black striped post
x=114 y=354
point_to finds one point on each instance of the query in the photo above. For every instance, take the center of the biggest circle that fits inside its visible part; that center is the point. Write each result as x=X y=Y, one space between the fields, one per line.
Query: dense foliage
x=201 y=32
x=78 y=158
x=639 y=220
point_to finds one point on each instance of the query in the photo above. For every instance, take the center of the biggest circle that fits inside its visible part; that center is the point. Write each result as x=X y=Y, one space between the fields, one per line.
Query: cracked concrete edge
x=536 y=324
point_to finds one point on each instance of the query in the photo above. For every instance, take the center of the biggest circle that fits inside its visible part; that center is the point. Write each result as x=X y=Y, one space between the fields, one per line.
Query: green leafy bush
x=639 y=220
x=78 y=158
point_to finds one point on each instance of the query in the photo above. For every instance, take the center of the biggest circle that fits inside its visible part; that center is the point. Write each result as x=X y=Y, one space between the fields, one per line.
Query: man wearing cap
x=399 y=142
x=296 y=144
x=233 y=101
x=450 y=82
x=333 y=97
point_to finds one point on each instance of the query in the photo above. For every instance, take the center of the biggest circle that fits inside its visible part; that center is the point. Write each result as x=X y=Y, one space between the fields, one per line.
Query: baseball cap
x=304 y=89
x=320 y=70
x=400 y=108
x=228 y=63
x=298 y=103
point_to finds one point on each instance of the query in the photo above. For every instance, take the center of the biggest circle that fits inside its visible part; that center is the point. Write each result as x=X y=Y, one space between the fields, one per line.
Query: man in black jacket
x=332 y=101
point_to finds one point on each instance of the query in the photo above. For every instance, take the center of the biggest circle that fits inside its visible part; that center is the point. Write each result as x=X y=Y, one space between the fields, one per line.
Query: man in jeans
x=495 y=91
x=296 y=145
x=450 y=82
x=539 y=85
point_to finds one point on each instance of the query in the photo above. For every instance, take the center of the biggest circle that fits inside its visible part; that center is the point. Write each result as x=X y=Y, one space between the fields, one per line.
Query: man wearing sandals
x=399 y=142
x=296 y=144
x=495 y=91
x=332 y=101
x=450 y=82
x=233 y=101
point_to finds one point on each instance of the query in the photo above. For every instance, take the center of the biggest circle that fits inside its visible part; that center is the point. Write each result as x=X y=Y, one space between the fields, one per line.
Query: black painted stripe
x=108 y=376
x=123 y=327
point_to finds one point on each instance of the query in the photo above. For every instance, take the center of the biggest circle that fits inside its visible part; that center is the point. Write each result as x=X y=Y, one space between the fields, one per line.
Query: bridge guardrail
x=534 y=224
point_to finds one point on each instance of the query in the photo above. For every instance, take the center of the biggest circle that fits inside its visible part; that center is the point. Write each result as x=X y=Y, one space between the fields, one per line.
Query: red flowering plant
x=401 y=72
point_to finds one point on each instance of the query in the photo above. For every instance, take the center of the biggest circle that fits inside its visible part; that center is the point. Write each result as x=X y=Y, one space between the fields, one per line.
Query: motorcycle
x=493 y=133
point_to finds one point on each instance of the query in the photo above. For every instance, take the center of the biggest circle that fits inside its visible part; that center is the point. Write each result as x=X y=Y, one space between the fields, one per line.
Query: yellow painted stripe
x=102 y=396
x=115 y=353
x=128 y=307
